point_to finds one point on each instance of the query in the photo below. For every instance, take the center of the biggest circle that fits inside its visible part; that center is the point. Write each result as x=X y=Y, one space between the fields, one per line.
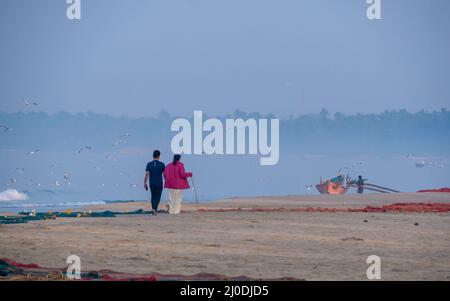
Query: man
x=360 y=184
x=154 y=173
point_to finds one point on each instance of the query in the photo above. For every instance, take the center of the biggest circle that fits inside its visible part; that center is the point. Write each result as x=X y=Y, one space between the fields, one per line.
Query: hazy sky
x=272 y=56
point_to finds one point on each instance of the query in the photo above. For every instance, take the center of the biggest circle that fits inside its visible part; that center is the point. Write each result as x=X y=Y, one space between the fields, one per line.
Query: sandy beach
x=261 y=245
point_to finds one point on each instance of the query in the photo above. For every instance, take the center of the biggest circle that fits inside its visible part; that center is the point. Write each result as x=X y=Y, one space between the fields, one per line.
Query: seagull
x=33 y=152
x=67 y=178
x=133 y=186
x=342 y=169
x=20 y=169
x=30 y=103
x=83 y=148
x=5 y=129
x=356 y=164
x=434 y=164
x=111 y=158
x=420 y=164
x=121 y=141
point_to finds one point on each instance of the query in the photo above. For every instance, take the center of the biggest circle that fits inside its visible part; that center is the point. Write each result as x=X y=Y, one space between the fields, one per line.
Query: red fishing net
x=444 y=190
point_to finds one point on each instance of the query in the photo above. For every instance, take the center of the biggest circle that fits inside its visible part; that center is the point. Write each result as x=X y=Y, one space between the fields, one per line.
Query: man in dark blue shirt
x=154 y=172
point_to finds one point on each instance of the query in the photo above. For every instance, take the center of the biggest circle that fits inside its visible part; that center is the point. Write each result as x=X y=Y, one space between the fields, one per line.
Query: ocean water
x=216 y=177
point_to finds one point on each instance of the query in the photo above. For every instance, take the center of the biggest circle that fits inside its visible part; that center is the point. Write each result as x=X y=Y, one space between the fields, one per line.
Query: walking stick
x=195 y=191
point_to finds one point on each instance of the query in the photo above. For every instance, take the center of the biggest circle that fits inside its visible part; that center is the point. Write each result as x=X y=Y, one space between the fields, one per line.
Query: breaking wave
x=12 y=195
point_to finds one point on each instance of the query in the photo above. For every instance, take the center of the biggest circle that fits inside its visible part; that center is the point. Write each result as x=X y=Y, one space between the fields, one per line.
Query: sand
x=266 y=245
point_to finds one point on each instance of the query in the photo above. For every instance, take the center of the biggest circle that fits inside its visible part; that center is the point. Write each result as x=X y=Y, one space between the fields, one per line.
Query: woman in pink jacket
x=175 y=179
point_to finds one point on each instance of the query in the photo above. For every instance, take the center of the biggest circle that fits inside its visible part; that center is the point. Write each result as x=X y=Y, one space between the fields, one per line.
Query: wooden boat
x=333 y=186
x=336 y=186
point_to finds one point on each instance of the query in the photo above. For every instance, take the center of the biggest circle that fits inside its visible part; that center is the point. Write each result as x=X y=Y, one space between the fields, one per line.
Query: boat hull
x=331 y=188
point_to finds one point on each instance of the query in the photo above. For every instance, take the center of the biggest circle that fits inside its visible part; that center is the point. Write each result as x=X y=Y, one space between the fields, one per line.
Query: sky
x=278 y=57
x=284 y=57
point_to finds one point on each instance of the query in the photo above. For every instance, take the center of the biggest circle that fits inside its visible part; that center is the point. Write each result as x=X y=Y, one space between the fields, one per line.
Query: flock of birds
x=20 y=172
x=354 y=166
x=66 y=177
x=421 y=162
x=27 y=103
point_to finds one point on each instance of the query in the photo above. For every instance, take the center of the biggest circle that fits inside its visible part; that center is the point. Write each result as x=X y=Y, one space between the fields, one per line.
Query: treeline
x=387 y=132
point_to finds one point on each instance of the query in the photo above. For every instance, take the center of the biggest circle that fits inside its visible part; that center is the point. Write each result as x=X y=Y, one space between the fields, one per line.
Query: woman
x=175 y=180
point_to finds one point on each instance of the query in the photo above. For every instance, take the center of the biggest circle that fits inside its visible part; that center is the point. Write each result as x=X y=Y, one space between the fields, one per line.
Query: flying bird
x=112 y=158
x=5 y=129
x=122 y=139
x=353 y=166
x=83 y=148
x=30 y=103
x=420 y=164
x=67 y=178
x=33 y=152
x=20 y=169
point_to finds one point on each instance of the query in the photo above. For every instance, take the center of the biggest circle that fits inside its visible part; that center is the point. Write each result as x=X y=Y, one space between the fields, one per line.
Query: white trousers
x=174 y=201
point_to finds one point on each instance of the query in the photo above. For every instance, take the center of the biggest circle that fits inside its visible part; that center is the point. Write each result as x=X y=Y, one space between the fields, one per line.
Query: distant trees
x=389 y=131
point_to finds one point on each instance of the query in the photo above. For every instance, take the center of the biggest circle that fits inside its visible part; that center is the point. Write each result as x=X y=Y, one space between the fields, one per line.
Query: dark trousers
x=156 y=191
x=360 y=188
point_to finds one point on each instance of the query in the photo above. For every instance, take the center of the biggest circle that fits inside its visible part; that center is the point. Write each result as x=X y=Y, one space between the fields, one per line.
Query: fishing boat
x=334 y=185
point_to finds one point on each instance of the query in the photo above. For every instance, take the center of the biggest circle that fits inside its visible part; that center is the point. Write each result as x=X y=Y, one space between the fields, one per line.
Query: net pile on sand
x=25 y=217
x=14 y=271
x=399 y=207
x=440 y=190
